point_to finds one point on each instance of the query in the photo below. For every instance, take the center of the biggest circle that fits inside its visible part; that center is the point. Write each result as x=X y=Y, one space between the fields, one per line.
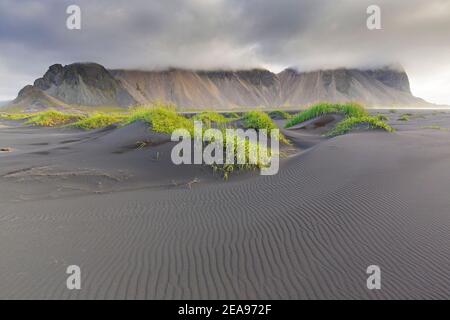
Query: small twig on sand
x=143 y=144
x=190 y=183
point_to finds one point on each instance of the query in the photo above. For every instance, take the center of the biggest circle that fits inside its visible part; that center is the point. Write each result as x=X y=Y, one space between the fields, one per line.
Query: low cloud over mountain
x=228 y=34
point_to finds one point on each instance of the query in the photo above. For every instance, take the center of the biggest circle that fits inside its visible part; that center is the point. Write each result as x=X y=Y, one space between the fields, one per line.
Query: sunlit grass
x=382 y=117
x=160 y=119
x=249 y=148
x=231 y=115
x=279 y=114
x=362 y=122
x=52 y=118
x=260 y=120
x=435 y=127
x=404 y=117
x=15 y=116
x=99 y=120
x=346 y=109
x=210 y=117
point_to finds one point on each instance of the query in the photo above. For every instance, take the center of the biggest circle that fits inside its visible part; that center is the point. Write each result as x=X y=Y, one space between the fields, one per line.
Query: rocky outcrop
x=83 y=84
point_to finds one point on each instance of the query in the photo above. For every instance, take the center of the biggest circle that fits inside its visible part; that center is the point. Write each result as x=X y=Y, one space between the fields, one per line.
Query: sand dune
x=309 y=232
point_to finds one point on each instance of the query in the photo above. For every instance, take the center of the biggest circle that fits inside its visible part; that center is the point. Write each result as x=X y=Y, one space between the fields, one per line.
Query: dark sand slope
x=308 y=232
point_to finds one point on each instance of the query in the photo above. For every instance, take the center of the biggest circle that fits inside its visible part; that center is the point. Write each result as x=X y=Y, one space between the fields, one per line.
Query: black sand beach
x=142 y=228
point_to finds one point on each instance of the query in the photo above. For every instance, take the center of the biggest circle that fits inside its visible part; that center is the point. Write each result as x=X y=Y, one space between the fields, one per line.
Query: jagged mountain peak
x=83 y=84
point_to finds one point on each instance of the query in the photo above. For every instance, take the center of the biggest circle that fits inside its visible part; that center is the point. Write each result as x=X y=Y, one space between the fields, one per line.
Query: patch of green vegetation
x=260 y=120
x=362 y=122
x=347 y=109
x=161 y=120
x=15 y=116
x=98 y=120
x=404 y=117
x=231 y=115
x=164 y=119
x=209 y=117
x=52 y=118
x=382 y=117
x=435 y=127
x=392 y=110
x=250 y=149
x=279 y=114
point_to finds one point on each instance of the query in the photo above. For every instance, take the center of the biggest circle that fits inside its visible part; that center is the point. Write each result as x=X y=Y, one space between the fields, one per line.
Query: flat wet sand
x=141 y=228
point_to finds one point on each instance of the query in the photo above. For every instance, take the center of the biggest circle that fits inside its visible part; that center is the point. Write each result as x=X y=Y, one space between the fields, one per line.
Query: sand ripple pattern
x=307 y=233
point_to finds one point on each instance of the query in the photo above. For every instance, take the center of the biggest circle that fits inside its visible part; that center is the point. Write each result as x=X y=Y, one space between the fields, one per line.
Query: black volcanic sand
x=140 y=227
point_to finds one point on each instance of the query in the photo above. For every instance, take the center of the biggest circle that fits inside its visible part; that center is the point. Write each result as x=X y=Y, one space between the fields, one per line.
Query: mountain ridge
x=91 y=84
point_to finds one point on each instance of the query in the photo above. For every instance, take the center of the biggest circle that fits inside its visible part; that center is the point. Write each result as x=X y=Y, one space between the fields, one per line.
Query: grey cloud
x=308 y=34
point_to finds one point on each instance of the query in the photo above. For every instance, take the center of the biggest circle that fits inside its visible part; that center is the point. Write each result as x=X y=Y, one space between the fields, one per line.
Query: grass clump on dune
x=15 y=116
x=161 y=119
x=52 y=118
x=167 y=120
x=347 y=109
x=209 y=117
x=279 y=114
x=251 y=148
x=363 y=122
x=260 y=120
x=435 y=127
x=231 y=115
x=382 y=117
x=98 y=120
x=404 y=117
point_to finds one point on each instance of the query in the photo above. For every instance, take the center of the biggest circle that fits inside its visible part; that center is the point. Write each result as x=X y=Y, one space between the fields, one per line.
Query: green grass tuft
x=227 y=169
x=15 y=116
x=260 y=120
x=209 y=117
x=99 y=120
x=231 y=115
x=161 y=120
x=347 y=109
x=362 y=122
x=52 y=118
x=382 y=117
x=435 y=127
x=279 y=114
x=404 y=117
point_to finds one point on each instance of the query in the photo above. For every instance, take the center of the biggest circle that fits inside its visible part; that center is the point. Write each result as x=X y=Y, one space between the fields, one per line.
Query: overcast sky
x=205 y=34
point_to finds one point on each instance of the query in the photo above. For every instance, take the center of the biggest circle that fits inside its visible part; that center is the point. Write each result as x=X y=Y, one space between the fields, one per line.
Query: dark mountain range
x=90 y=84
